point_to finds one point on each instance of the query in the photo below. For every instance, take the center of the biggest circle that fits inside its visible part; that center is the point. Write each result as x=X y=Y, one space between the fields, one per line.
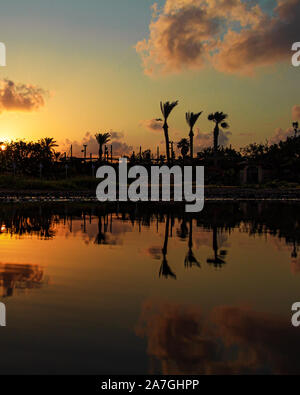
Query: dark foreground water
x=134 y=292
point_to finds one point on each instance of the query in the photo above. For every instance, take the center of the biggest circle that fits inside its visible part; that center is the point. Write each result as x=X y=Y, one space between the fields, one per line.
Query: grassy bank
x=77 y=186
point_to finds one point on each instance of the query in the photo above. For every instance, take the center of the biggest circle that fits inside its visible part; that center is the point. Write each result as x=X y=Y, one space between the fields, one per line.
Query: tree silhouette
x=218 y=118
x=184 y=146
x=101 y=235
x=191 y=120
x=47 y=146
x=165 y=269
x=218 y=260
x=296 y=126
x=166 y=109
x=190 y=259
x=102 y=138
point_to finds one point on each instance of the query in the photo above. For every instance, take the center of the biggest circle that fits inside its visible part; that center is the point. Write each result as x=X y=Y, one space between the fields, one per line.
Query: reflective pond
x=90 y=291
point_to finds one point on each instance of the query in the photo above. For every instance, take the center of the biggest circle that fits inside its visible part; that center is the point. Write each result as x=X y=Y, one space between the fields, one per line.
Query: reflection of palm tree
x=165 y=269
x=191 y=119
x=101 y=236
x=294 y=252
x=166 y=109
x=190 y=259
x=182 y=232
x=218 y=260
x=102 y=138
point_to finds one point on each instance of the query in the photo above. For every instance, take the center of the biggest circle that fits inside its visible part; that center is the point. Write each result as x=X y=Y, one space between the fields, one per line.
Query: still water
x=89 y=291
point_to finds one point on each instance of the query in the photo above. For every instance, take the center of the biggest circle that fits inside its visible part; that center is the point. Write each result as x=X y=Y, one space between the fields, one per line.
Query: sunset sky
x=75 y=67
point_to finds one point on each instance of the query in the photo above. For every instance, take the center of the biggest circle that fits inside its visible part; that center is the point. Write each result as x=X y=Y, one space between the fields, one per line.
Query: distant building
x=253 y=173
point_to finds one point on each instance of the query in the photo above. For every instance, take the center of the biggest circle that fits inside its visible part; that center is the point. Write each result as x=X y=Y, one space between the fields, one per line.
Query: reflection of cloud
x=19 y=276
x=233 y=36
x=295 y=266
x=20 y=97
x=154 y=252
x=231 y=340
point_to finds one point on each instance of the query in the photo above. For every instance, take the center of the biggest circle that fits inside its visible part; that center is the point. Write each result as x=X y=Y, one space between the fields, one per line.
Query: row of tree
x=191 y=118
x=33 y=158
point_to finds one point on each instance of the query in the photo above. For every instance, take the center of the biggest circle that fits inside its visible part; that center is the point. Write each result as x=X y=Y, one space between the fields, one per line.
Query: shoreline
x=211 y=194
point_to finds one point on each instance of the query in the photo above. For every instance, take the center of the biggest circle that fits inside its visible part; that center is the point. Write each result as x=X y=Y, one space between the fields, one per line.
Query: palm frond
x=102 y=138
x=224 y=125
x=192 y=118
x=190 y=260
x=167 y=107
x=217 y=117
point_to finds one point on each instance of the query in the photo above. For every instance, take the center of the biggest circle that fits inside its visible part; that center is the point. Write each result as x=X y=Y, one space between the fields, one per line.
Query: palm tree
x=166 y=109
x=218 y=118
x=102 y=138
x=184 y=146
x=48 y=144
x=191 y=119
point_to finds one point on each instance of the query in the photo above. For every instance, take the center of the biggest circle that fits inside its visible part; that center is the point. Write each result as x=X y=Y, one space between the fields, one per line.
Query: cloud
x=119 y=147
x=20 y=97
x=152 y=125
x=281 y=135
x=246 y=134
x=296 y=113
x=231 y=35
x=205 y=140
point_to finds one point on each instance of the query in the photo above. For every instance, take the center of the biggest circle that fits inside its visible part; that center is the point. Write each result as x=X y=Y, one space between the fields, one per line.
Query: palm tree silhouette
x=190 y=259
x=48 y=144
x=191 y=119
x=102 y=138
x=183 y=145
x=165 y=269
x=166 y=109
x=218 y=118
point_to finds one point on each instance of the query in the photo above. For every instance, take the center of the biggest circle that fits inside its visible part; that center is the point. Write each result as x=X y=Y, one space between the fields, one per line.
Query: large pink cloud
x=20 y=97
x=205 y=139
x=231 y=35
x=296 y=113
x=282 y=134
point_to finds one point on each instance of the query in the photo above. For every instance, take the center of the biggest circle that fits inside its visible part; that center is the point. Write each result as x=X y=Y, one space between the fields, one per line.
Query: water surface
x=89 y=291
